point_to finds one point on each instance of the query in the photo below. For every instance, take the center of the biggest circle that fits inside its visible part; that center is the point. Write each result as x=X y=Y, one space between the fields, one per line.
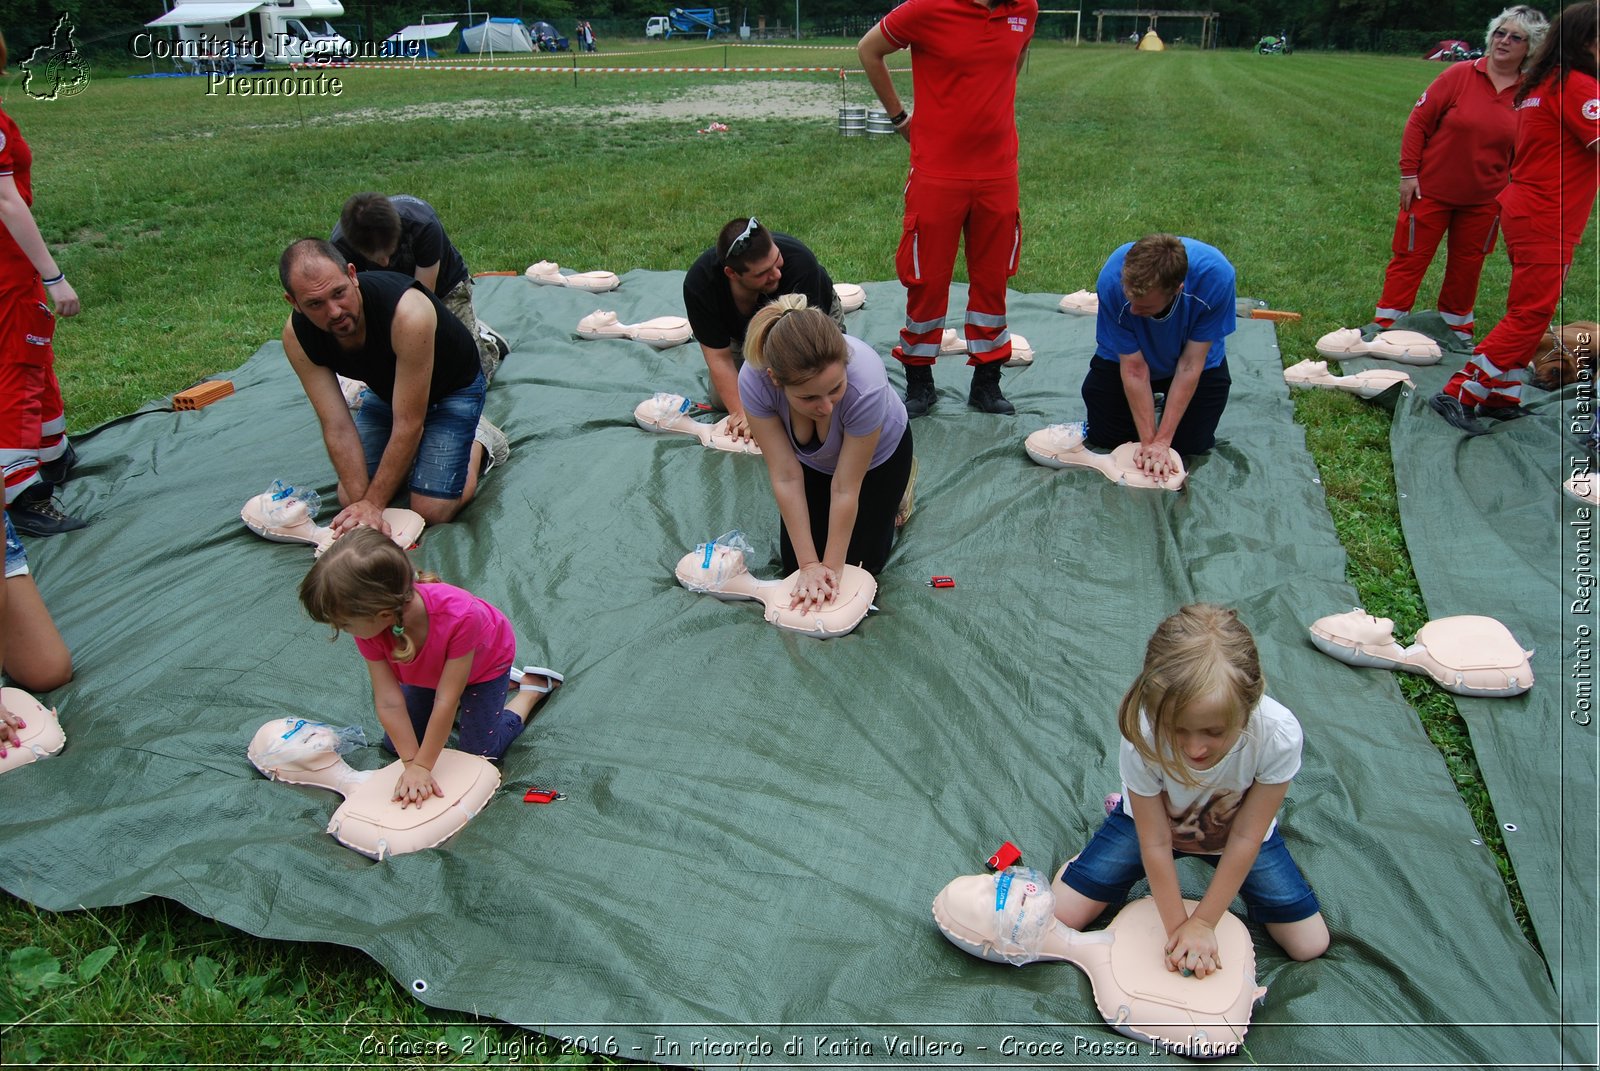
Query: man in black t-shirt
x=418 y=426
x=403 y=234
x=749 y=267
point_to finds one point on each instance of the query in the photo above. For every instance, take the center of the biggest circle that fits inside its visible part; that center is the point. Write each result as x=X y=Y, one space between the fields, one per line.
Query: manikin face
x=1154 y=303
x=816 y=397
x=1508 y=46
x=761 y=277
x=1202 y=732
x=326 y=296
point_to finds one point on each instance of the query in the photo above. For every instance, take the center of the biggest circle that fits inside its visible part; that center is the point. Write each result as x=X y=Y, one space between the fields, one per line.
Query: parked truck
x=696 y=22
x=243 y=34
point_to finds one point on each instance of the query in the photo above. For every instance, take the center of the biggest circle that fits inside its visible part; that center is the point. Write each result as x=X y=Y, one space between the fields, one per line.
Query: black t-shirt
x=708 y=296
x=455 y=354
x=422 y=241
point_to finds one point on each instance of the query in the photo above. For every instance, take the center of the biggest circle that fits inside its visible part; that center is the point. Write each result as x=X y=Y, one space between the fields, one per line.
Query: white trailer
x=229 y=34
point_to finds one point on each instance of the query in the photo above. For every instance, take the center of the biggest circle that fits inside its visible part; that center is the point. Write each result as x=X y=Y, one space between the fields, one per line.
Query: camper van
x=212 y=34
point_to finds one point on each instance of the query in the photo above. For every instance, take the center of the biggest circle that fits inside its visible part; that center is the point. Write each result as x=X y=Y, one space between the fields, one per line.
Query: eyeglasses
x=741 y=243
x=1507 y=35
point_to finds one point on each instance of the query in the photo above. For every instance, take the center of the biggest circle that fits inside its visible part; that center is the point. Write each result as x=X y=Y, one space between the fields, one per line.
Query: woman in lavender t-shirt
x=835 y=439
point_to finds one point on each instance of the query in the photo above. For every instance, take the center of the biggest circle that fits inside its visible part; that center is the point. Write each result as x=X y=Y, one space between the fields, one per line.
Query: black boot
x=985 y=394
x=920 y=392
x=56 y=472
x=35 y=513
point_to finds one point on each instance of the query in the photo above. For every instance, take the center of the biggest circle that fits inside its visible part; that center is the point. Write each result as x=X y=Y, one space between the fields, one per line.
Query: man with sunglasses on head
x=749 y=267
x=965 y=55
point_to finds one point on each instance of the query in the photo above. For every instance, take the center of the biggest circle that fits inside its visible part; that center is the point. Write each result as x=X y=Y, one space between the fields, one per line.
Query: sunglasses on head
x=741 y=243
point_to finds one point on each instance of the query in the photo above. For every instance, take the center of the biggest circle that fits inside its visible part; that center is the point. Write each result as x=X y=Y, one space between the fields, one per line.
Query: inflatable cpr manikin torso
x=851 y=297
x=952 y=344
x=284 y=514
x=662 y=332
x=41 y=735
x=1081 y=303
x=1367 y=383
x=1009 y=917
x=548 y=273
x=1467 y=655
x=670 y=413
x=1407 y=347
x=1061 y=446
x=720 y=571
x=369 y=820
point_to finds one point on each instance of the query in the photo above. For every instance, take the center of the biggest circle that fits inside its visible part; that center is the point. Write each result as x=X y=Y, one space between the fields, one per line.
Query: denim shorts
x=440 y=469
x=1273 y=891
x=16 y=557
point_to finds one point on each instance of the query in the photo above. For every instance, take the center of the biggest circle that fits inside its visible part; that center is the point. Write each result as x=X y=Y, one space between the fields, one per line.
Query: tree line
x=1367 y=25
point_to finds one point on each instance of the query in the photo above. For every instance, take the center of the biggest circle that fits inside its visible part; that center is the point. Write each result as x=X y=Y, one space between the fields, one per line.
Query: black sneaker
x=1456 y=414
x=40 y=516
x=920 y=391
x=56 y=472
x=985 y=394
x=1504 y=412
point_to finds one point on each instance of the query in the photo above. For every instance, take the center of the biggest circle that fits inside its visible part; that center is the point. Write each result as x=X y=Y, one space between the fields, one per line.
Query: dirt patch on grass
x=787 y=98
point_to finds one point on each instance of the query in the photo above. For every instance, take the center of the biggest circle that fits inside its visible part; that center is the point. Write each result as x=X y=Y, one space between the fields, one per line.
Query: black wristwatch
x=898 y=121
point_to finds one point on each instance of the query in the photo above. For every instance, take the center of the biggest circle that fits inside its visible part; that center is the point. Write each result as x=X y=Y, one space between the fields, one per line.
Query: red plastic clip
x=1008 y=855
x=941 y=582
x=543 y=795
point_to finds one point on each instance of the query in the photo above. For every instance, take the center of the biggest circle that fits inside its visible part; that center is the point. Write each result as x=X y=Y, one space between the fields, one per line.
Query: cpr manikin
x=40 y=735
x=671 y=413
x=1009 y=917
x=952 y=344
x=1061 y=446
x=662 y=332
x=1081 y=303
x=851 y=297
x=1467 y=655
x=370 y=820
x=548 y=273
x=1367 y=383
x=286 y=514
x=1406 y=347
x=718 y=569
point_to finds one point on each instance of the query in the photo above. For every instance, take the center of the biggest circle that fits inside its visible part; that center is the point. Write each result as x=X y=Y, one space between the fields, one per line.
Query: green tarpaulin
x=1490 y=532
x=757 y=822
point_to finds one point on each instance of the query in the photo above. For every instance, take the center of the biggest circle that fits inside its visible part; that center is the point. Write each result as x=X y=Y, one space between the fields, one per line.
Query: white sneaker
x=496 y=448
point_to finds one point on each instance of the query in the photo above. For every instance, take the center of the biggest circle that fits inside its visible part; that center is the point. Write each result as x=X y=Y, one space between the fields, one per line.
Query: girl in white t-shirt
x=1206 y=760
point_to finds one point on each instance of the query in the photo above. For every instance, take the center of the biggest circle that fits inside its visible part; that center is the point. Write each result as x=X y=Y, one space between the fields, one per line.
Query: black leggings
x=881 y=490
x=1111 y=421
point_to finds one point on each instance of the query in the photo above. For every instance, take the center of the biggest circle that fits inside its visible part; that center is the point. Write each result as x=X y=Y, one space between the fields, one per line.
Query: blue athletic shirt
x=1203 y=312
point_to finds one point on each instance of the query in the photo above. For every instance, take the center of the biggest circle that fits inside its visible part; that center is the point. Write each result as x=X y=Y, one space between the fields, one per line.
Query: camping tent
x=496 y=35
x=1151 y=42
x=1450 y=50
x=412 y=41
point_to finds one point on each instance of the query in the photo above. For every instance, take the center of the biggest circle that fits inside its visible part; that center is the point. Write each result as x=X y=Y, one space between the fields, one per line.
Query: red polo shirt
x=964 y=83
x=1555 y=173
x=1459 y=136
x=16 y=160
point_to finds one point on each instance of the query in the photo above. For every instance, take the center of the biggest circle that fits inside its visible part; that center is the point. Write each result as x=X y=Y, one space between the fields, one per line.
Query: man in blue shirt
x=1166 y=305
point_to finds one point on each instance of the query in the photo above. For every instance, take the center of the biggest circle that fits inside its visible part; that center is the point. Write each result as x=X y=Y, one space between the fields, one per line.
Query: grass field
x=168 y=208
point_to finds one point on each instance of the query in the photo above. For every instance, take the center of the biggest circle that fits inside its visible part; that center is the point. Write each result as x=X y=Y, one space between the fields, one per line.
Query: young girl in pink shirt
x=432 y=650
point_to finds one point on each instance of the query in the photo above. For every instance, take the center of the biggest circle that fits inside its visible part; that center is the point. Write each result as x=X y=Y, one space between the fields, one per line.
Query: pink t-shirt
x=458 y=623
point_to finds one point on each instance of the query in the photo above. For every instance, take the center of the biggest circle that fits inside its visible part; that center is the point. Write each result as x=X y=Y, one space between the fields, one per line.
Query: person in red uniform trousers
x=965 y=55
x=1543 y=211
x=1455 y=157
x=34 y=452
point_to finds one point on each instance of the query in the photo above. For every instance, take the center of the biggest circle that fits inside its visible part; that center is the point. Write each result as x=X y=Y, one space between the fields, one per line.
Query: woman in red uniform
x=1455 y=157
x=1543 y=212
x=34 y=453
